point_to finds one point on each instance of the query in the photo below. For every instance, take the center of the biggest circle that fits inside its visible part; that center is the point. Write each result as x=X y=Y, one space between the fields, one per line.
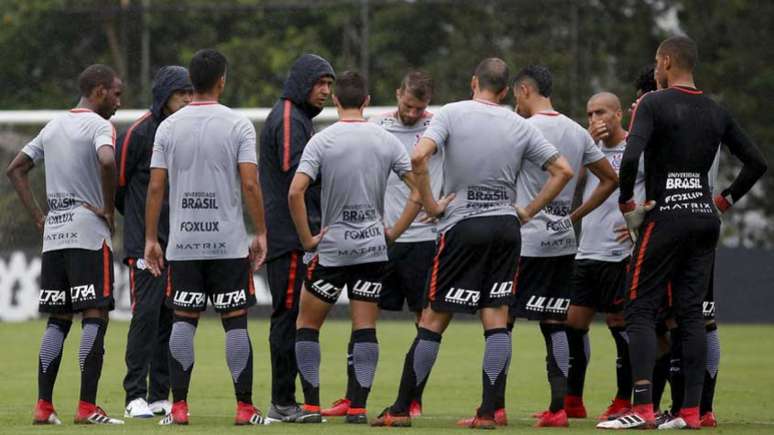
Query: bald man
x=600 y=266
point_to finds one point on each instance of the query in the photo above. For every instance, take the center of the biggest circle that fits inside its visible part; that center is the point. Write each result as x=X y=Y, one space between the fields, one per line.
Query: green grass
x=744 y=399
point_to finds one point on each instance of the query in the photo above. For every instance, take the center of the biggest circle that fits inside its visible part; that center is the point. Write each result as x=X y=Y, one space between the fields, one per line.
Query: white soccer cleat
x=138 y=408
x=160 y=407
x=675 y=423
x=627 y=421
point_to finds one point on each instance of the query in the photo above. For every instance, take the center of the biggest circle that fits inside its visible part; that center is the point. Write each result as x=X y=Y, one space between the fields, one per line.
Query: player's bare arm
x=17 y=172
x=154 y=256
x=559 y=174
x=106 y=155
x=298 y=188
x=251 y=191
x=410 y=210
x=608 y=182
x=419 y=163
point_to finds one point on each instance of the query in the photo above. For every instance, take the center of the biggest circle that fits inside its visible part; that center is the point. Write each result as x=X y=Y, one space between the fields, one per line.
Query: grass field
x=744 y=398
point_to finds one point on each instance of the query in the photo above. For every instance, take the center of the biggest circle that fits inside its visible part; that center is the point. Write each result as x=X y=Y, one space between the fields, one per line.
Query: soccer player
x=287 y=130
x=208 y=152
x=679 y=130
x=76 y=273
x=548 y=241
x=485 y=147
x=411 y=256
x=146 y=343
x=352 y=247
x=600 y=267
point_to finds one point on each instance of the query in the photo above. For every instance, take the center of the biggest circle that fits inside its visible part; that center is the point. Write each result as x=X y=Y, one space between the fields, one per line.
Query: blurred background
x=590 y=45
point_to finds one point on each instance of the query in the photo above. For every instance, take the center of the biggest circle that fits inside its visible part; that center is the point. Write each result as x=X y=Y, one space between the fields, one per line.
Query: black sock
x=351 y=381
x=557 y=362
x=623 y=367
x=676 y=375
x=365 y=356
x=693 y=337
x=239 y=355
x=497 y=359
x=90 y=356
x=181 y=352
x=711 y=374
x=308 y=359
x=660 y=377
x=580 y=352
x=643 y=394
x=416 y=368
x=641 y=330
x=50 y=355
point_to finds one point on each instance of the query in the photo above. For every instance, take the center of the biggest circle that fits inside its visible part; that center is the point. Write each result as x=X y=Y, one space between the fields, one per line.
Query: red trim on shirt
x=687 y=90
x=489 y=103
x=352 y=120
x=125 y=147
x=286 y=136
x=548 y=113
x=640 y=260
x=81 y=110
x=290 y=290
x=202 y=103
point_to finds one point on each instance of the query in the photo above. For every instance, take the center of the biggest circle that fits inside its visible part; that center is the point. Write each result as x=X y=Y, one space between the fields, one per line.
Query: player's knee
x=64 y=317
x=615 y=320
x=187 y=314
x=236 y=321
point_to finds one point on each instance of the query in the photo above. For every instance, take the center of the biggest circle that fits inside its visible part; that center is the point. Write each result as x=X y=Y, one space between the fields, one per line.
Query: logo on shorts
x=548 y=305
x=230 y=299
x=708 y=308
x=501 y=289
x=463 y=297
x=189 y=299
x=367 y=288
x=52 y=297
x=83 y=293
x=326 y=289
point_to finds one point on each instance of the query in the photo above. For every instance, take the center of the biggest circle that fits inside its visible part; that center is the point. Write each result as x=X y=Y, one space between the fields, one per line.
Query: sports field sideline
x=744 y=399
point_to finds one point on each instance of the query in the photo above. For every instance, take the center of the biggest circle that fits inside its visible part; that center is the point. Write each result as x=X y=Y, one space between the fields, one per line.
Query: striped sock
x=711 y=374
x=90 y=356
x=365 y=355
x=557 y=362
x=51 y=355
x=181 y=350
x=239 y=355
x=308 y=360
x=497 y=359
x=416 y=368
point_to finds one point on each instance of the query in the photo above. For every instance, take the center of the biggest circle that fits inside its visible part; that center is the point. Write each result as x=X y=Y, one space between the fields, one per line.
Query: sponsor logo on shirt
x=188 y=299
x=367 y=233
x=199 y=201
x=558 y=208
x=567 y=242
x=550 y=305
x=367 y=288
x=370 y=251
x=463 y=296
x=615 y=160
x=59 y=219
x=501 y=289
x=359 y=213
x=204 y=227
x=83 y=293
x=230 y=299
x=326 y=289
x=70 y=236
x=52 y=297
x=61 y=201
x=692 y=198
x=683 y=180
x=210 y=246
x=486 y=197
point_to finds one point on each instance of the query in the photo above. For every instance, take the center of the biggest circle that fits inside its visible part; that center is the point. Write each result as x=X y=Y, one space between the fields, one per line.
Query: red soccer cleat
x=178 y=414
x=246 y=414
x=388 y=419
x=500 y=419
x=415 y=409
x=616 y=409
x=45 y=413
x=89 y=413
x=553 y=419
x=573 y=406
x=709 y=420
x=539 y=414
x=339 y=409
x=477 y=422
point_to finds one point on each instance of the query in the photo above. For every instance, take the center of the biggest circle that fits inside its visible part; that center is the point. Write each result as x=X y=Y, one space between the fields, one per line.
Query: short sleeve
x=159 y=158
x=105 y=134
x=401 y=162
x=440 y=125
x=246 y=140
x=311 y=158
x=591 y=152
x=34 y=149
x=538 y=150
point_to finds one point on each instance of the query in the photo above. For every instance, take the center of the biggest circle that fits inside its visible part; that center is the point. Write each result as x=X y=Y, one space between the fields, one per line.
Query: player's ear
x=397 y=94
x=336 y=101
x=504 y=93
x=366 y=102
x=474 y=84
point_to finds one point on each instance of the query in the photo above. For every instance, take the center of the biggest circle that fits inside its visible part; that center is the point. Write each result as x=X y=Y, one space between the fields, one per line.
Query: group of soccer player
x=472 y=209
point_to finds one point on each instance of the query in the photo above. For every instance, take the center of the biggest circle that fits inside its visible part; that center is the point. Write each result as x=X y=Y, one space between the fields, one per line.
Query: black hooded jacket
x=134 y=149
x=287 y=130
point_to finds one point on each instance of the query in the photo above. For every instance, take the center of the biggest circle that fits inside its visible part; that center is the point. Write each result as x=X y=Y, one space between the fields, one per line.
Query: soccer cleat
x=539 y=414
x=617 y=408
x=138 y=408
x=553 y=419
x=415 y=409
x=389 y=419
x=709 y=420
x=674 y=423
x=177 y=415
x=89 y=413
x=500 y=418
x=284 y=413
x=45 y=413
x=663 y=417
x=160 y=407
x=356 y=416
x=631 y=420
x=309 y=414
x=339 y=408
x=687 y=418
x=478 y=422
x=573 y=406
x=247 y=414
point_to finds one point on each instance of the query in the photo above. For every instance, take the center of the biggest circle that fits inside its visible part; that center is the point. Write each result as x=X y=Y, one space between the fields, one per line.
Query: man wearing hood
x=149 y=330
x=287 y=130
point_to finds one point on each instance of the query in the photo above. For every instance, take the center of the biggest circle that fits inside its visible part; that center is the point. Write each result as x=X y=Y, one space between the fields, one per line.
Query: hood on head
x=304 y=73
x=169 y=79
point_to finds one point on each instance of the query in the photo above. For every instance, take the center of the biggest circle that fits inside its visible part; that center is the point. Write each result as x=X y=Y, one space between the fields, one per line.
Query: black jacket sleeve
x=640 y=130
x=754 y=164
x=128 y=154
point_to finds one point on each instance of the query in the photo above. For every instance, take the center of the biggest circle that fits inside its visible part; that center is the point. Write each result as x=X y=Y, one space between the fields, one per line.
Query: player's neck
x=614 y=139
x=351 y=115
x=201 y=97
x=487 y=96
x=84 y=103
x=684 y=80
x=542 y=105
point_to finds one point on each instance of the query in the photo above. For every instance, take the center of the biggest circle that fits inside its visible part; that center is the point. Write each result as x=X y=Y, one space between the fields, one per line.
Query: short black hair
x=492 y=74
x=419 y=84
x=351 y=90
x=539 y=75
x=682 y=50
x=93 y=76
x=646 y=82
x=207 y=67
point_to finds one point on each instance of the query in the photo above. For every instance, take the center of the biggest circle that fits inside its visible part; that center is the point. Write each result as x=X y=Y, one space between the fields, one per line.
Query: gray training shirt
x=484 y=147
x=397 y=191
x=69 y=144
x=353 y=160
x=201 y=146
x=549 y=233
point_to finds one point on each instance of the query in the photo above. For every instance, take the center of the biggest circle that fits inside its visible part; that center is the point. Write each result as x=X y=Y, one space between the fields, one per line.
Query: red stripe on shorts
x=640 y=259
x=434 y=273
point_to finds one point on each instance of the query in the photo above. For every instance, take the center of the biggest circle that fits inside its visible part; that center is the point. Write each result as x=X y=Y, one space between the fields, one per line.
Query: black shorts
x=405 y=275
x=227 y=283
x=73 y=280
x=475 y=265
x=599 y=285
x=362 y=281
x=543 y=288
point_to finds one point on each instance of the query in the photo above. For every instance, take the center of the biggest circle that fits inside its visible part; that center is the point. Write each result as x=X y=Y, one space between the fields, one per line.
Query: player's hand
x=154 y=257
x=598 y=131
x=40 y=222
x=106 y=216
x=311 y=244
x=559 y=226
x=722 y=203
x=523 y=214
x=636 y=217
x=388 y=235
x=257 y=252
x=621 y=233
x=440 y=206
